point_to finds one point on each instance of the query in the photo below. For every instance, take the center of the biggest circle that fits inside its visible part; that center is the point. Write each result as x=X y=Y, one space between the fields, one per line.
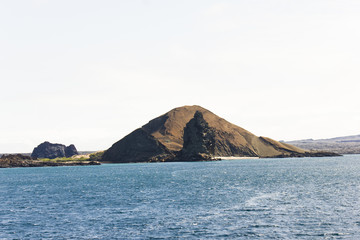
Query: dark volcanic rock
x=70 y=151
x=50 y=150
x=138 y=146
x=199 y=140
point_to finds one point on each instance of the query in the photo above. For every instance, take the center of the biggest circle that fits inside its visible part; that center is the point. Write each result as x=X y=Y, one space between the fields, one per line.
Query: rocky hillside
x=163 y=138
x=138 y=146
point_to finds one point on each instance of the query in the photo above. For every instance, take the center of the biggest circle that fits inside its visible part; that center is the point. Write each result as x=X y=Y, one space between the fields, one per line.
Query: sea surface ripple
x=299 y=198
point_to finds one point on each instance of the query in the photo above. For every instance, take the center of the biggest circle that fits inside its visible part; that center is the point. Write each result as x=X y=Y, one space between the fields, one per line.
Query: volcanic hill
x=162 y=139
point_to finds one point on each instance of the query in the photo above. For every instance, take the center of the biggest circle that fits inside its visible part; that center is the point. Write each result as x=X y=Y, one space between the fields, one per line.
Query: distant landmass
x=193 y=133
x=341 y=145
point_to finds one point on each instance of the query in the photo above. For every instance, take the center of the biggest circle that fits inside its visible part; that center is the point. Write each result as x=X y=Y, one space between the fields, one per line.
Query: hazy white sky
x=90 y=72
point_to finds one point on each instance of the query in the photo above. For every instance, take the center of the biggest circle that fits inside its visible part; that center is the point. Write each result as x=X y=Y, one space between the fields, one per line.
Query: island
x=193 y=133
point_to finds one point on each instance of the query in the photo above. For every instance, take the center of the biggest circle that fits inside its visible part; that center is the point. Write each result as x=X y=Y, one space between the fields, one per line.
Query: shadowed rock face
x=138 y=146
x=50 y=150
x=199 y=140
x=70 y=151
x=192 y=132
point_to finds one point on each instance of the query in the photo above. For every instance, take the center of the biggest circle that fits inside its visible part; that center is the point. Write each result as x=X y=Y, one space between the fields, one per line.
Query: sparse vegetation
x=18 y=160
x=64 y=159
x=97 y=156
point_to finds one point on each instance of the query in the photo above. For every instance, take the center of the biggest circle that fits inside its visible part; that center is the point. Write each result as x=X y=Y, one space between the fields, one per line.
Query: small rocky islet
x=188 y=133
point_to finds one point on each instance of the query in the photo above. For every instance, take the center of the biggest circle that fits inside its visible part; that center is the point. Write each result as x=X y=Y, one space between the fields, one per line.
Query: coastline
x=18 y=160
x=235 y=158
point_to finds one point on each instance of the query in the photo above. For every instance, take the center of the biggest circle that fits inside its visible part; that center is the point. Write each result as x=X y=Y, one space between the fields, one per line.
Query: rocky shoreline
x=18 y=160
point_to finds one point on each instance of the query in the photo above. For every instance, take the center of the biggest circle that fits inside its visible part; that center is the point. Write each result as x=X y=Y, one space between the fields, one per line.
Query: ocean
x=296 y=198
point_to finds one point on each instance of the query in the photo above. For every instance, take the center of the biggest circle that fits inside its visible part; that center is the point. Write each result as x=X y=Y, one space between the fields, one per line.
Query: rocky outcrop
x=18 y=160
x=199 y=140
x=50 y=150
x=70 y=151
x=194 y=133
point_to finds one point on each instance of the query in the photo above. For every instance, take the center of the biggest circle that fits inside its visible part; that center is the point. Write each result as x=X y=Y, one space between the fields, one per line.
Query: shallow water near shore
x=298 y=198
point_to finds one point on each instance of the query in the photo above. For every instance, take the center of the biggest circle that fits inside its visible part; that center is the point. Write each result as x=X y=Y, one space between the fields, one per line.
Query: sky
x=90 y=72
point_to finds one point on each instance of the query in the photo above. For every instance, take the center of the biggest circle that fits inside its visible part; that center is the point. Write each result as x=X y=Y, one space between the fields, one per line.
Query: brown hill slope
x=166 y=136
x=230 y=139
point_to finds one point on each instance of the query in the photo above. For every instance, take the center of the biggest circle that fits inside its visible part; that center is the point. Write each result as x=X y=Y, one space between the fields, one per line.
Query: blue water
x=305 y=198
